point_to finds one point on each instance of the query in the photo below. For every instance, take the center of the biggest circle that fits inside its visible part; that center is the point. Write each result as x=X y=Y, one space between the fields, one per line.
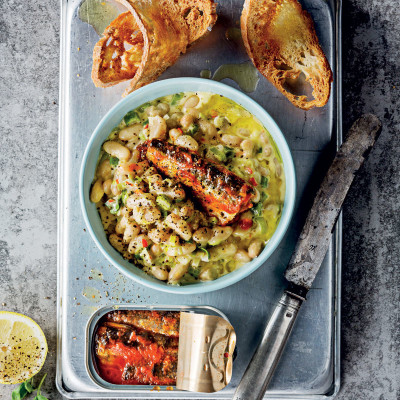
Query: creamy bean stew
x=155 y=164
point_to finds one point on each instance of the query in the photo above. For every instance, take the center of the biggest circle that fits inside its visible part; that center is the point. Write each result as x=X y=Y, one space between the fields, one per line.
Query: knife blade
x=308 y=255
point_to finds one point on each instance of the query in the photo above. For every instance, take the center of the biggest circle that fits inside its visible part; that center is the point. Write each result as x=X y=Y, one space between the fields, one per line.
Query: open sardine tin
x=206 y=347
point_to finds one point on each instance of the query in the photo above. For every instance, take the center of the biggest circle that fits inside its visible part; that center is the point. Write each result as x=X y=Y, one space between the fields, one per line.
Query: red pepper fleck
x=226 y=355
x=180 y=130
x=253 y=181
x=146 y=126
x=249 y=170
x=117 y=181
x=245 y=223
x=213 y=114
x=144 y=243
x=111 y=201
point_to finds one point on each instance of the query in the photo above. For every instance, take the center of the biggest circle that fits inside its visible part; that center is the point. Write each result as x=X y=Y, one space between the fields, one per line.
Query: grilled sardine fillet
x=280 y=39
x=222 y=193
x=162 y=322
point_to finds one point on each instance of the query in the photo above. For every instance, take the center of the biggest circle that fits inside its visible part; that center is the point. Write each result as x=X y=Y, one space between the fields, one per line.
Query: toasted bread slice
x=141 y=43
x=280 y=39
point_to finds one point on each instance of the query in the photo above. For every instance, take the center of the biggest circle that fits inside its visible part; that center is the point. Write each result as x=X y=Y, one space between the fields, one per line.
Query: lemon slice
x=23 y=347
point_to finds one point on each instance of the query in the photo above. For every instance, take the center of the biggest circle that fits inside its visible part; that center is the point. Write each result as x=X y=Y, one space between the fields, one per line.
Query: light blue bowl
x=114 y=117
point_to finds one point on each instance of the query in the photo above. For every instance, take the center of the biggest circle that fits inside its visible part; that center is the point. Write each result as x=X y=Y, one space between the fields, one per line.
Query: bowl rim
x=188 y=84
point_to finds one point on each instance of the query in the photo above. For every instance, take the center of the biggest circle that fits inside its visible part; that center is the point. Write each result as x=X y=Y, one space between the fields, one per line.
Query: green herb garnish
x=113 y=205
x=26 y=388
x=176 y=97
x=114 y=161
x=193 y=128
x=264 y=182
x=131 y=117
x=143 y=107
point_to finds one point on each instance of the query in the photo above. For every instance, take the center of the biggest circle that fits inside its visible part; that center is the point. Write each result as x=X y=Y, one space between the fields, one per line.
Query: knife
x=308 y=255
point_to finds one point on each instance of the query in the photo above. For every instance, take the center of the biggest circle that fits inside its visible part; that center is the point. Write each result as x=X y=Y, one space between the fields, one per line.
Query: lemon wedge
x=23 y=347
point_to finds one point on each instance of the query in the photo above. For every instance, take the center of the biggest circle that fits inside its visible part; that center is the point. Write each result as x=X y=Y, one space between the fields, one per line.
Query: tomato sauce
x=138 y=347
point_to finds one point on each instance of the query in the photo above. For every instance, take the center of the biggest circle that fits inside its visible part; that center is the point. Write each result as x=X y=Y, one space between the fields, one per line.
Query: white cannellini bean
x=116 y=149
x=157 y=127
x=202 y=236
x=242 y=256
x=194 y=112
x=152 y=214
x=159 y=273
x=180 y=226
x=114 y=189
x=207 y=128
x=177 y=272
x=206 y=274
x=130 y=132
x=104 y=170
x=191 y=102
x=131 y=231
x=134 y=157
x=188 y=142
x=141 y=200
x=222 y=251
x=159 y=234
x=257 y=196
x=97 y=191
x=255 y=248
x=175 y=133
x=137 y=243
x=107 y=186
x=231 y=140
x=247 y=146
x=186 y=121
x=219 y=234
x=163 y=108
x=156 y=250
x=116 y=242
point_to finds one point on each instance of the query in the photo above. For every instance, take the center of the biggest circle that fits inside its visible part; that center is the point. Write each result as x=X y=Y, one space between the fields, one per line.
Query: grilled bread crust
x=280 y=39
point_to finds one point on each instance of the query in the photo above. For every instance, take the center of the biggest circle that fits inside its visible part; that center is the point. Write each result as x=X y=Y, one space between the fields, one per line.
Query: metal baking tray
x=309 y=368
x=92 y=325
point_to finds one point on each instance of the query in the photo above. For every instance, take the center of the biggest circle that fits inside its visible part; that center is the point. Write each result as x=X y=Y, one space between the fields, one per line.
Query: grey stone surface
x=29 y=56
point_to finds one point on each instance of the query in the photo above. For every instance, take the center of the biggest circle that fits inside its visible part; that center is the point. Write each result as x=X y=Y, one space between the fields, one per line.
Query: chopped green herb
x=176 y=97
x=257 y=209
x=195 y=272
x=213 y=220
x=142 y=136
x=262 y=224
x=259 y=150
x=206 y=256
x=131 y=117
x=113 y=205
x=193 y=128
x=223 y=153
x=144 y=123
x=164 y=202
x=114 y=161
x=143 y=107
x=264 y=182
x=124 y=196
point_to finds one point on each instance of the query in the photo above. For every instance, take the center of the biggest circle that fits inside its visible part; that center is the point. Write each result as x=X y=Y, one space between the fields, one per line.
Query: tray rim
x=337 y=235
